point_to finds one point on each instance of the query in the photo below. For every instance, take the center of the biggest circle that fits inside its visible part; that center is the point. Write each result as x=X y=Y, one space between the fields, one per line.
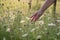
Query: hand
x=36 y=16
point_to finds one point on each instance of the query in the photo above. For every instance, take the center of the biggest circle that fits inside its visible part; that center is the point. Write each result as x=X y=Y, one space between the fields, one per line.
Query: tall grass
x=15 y=21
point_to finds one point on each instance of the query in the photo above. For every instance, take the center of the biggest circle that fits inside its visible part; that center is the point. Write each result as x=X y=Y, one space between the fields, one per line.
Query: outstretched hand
x=36 y=16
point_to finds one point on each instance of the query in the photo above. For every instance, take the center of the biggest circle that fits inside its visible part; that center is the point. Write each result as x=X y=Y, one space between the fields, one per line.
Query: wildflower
x=27 y=18
x=58 y=20
x=24 y=35
x=58 y=33
x=59 y=27
x=49 y=18
x=55 y=39
x=51 y=24
x=4 y=38
x=22 y=21
x=33 y=29
x=8 y=29
x=20 y=28
x=45 y=28
x=39 y=36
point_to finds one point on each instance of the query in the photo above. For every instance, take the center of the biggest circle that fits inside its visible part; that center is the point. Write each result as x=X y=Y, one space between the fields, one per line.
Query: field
x=15 y=21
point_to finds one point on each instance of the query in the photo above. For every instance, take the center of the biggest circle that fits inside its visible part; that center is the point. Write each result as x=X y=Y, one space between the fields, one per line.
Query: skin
x=39 y=13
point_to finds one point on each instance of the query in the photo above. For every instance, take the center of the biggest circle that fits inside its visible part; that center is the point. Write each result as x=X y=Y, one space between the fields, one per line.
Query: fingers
x=34 y=18
x=33 y=15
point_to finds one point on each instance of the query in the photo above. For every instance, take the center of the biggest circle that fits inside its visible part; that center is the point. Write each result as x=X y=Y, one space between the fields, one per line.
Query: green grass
x=15 y=23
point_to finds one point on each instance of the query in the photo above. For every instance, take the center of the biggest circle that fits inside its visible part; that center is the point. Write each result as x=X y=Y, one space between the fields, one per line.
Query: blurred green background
x=15 y=21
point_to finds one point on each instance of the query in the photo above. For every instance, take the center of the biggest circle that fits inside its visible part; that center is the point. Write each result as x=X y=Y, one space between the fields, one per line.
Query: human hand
x=36 y=16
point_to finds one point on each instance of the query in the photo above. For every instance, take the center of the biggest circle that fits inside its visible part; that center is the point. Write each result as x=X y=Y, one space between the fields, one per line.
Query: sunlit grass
x=15 y=21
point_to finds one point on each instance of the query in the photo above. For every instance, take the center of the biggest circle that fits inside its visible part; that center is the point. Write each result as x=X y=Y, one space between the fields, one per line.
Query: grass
x=15 y=22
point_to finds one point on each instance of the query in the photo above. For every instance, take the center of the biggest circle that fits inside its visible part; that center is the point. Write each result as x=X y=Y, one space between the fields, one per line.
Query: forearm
x=46 y=5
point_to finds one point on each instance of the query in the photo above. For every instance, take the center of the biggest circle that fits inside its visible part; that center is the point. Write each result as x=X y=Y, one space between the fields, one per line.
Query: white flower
x=58 y=33
x=33 y=29
x=27 y=18
x=55 y=39
x=58 y=20
x=20 y=28
x=49 y=18
x=24 y=35
x=59 y=27
x=22 y=21
x=8 y=29
x=4 y=38
x=51 y=24
x=39 y=36
x=45 y=28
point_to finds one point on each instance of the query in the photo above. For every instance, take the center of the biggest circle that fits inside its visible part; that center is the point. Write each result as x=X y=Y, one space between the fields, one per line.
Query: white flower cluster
x=27 y=18
x=33 y=29
x=59 y=27
x=58 y=20
x=22 y=21
x=39 y=36
x=55 y=39
x=4 y=38
x=8 y=29
x=45 y=28
x=58 y=33
x=51 y=24
x=11 y=15
x=21 y=29
x=24 y=35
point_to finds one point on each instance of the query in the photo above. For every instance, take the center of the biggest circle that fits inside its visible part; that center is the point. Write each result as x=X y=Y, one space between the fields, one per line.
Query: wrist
x=40 y=12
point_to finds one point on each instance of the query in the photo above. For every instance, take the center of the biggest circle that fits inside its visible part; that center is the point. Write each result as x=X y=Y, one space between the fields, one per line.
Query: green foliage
x=15 y=22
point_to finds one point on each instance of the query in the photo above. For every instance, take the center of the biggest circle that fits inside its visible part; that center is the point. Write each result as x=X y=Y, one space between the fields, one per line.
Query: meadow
x=15 y=21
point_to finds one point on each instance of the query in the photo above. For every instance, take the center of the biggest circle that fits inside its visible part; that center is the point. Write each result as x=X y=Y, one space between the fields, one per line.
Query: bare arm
x=46 y=5
x=41 y=11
